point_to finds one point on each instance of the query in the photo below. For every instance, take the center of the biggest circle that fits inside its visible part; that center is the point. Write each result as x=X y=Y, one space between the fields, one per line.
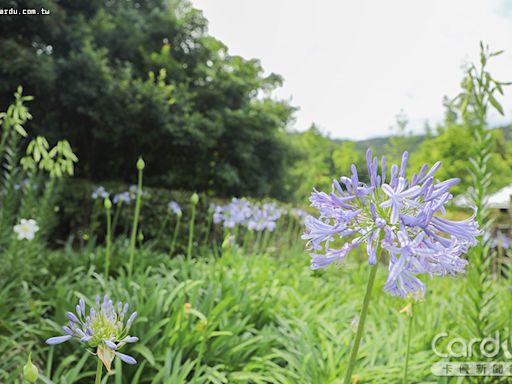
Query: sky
x=352 y=66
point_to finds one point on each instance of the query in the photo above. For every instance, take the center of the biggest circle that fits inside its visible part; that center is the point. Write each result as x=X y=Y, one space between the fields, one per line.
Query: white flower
x=26 y=229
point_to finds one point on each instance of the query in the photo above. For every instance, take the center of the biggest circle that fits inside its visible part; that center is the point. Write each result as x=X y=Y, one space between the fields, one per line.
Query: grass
x=239 y=318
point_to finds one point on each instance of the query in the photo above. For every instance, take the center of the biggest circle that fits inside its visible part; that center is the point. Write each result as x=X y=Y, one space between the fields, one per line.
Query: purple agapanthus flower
x=100 y=192
x=297 y=212
x=103 y=328
x=237 y=212
x=123 y=197
x=501 y=240
x=391 y=212
x=261 y=220
x=175 y=208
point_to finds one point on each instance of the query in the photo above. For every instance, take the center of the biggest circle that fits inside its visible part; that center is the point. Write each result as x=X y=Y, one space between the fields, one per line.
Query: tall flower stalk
x=408 y=312
x=401 y=216
x=475 y=101
x=108 y=239
x=360 y=325
x=133 y=237
x=176 y=209
x=194 y=199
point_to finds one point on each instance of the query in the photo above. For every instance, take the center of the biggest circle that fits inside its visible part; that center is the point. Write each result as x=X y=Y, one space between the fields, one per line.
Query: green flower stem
x=191 y=232
x=208 y=227
x=135 y=223
x=117 y=212
x=119 y=372
x=409 y=335
x=175 y=236
x=99 y=372
x=360 y=327
x=108 y=242
x=162 y=227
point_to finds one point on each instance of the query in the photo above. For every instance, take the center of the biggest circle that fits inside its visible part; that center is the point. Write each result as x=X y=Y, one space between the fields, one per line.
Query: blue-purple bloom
x=175 y=208
x=102 y=328
x=100 y=192
x=299 y=213
x=501 y=240
x=123 y=197
x=235 y=213
x=402 y=216
x=241 y=212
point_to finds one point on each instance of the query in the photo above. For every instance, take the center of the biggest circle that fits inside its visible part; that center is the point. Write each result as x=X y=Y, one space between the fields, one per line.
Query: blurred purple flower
x=100 y=192
x=175 y=208
x=123 y=197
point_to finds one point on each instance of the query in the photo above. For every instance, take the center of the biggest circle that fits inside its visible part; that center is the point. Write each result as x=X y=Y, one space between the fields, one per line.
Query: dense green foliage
x=123 y=78
x=321 y=159
x=120 y=79
x=252 y=319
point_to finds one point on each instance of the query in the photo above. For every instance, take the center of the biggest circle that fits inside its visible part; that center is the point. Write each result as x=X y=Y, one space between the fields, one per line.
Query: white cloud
x=352 y=66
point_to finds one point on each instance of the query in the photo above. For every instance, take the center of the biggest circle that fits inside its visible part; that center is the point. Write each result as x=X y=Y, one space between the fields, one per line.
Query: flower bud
x=140 y=164
x=407 y=309
x=140 y=237
x=107 y=203
x=30 y=371
x=194 y=199
x=354 y=324
x=228 y=243
x=201 y=325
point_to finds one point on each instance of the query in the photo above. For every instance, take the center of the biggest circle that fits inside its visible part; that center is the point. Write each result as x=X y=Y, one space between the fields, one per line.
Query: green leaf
x=496 y=104
x=145 y=352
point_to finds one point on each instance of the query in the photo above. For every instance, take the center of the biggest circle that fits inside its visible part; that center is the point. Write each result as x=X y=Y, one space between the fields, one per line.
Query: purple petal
x=127 y=359
x=110 y=344
x=72 y=317
x=58 y=339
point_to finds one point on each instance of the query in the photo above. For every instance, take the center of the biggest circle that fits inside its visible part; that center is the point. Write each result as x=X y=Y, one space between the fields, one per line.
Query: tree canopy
x=120 y=79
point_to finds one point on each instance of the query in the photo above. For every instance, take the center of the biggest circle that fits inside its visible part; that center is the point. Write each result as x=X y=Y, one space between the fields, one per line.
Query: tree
x=122 y=79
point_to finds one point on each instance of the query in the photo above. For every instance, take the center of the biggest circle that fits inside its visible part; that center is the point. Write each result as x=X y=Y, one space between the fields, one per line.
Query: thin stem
x=119 y=205
x=135 y=224
x=162 y=227
x=409 y=335
x=360 y=327
x=108 y=243
x=175 y=236
x=208 y=226
x=119 y=372
x=191 y=232
x=99 y=372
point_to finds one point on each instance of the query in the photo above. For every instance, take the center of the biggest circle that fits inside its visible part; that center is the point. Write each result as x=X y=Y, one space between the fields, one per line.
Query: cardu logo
x=460 y=348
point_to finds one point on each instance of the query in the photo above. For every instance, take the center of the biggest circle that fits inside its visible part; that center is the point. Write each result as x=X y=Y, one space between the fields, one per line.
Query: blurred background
x=258 y=99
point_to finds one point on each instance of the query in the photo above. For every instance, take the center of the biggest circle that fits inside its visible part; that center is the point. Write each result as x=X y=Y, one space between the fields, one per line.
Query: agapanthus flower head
x=105 y=328
x=132 y=190
x=272 y=211
x=297 y=212
x=235 y=213
x=123 y=197
x=400 y=215
x=26 y=229
x=501 y=240
x=175 y=208
x=261 y=219
x=100 y=192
